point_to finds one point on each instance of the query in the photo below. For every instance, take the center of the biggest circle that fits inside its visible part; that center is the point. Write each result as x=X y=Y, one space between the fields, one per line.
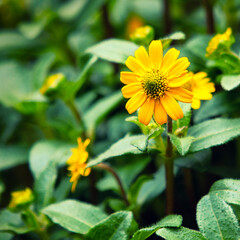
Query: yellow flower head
x=21 y=198
x=217 y=40
x=77 y=162
x=201 y=87
x=134 y=23
x=155 y=83
x=142 y=35
x=52 y=83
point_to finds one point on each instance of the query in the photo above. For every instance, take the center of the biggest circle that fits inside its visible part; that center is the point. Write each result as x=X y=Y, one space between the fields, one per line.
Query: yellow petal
x=129 y=77
x=179 y=66
x=156 y=53
x=134 y=65
x=196 y=103
x=87 y=172
x=146 y=111
x=181 y=94
x=86 y=143
x=142 y=55
x=171 y=107
x=177 y=82
x=135 y=102
x=202 y=95
x=200 y=75
x=131 y=89
x=160 y=114
x=169 y=58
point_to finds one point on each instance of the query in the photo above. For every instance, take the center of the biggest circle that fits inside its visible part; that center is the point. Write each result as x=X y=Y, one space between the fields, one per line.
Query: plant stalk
x=117 y=178
x=209 y=16
x=169 y=175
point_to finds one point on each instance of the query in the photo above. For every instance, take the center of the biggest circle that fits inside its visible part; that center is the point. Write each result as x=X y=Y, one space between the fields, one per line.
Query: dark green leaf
x=216 y=219
x=228 y=190
x=75 y=216
x=115 y=227
x=213 y=132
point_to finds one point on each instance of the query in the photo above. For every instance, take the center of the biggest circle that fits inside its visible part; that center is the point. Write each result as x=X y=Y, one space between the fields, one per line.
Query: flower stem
x=169 y=171
x=117 y=178
x=209 y=15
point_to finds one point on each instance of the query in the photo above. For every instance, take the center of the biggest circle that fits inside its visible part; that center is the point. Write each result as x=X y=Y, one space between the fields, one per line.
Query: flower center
x=154 y=84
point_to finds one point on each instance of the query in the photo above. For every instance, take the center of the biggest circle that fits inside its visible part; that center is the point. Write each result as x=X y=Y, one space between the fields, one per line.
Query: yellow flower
x=77 y=162
x=201 y=88
x=21 y=198
x=142 y=35
x=216 y=40
x=155 y=82
x=134 y=23
x=52 y=83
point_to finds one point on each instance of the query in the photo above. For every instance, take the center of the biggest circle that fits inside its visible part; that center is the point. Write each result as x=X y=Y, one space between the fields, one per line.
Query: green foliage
x=182 y=143
x=166 y=41
x=213 y=132
x=211 y=220
x=75 y=216
x=116 y=227
x=11 y=156
x=229 y=82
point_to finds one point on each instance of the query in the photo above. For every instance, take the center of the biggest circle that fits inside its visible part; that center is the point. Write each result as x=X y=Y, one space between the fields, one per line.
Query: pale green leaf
x=229 y=82
x=123 y=146
x=181 y=233
x=115 y=227
x=216 y=219
x=213 y=132
x=181 y=143
x=12 y=155
x=113 y=50
x=74 y=216
x=166 y=41
x=169 y=221
x=228 y=190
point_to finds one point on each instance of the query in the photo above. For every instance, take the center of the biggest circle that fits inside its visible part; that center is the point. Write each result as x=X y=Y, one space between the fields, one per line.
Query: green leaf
x=228 y=190
x=41 y=68
x=126 y=173
x=181 y=233
x=123 y=146
x=45 y=156
x=99 y=110
x=113 y=50
x=229 y=82
x=74 y=216
x=169 y=221
x=199 y=161
x=166 y=41
x=12 y=155
x=213 y=132
x=221 y=103
x=12 y=222
x=6 y=236
x=216 y=219
x=116 y=227
x=181 y=143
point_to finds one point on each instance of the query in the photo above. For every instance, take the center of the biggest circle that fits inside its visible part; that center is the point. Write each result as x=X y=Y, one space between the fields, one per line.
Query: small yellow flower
x=51 y=83
x=77 y=162
x=134 y=23
x=155 y=82
x=216 y=40
x=201 y=87
x=21 y=198
x=142 y=35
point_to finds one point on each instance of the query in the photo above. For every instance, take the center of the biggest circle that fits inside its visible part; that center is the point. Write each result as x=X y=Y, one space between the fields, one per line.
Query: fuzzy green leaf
x=166 y=41
x=11 y=156
x=228 y=190
x=116 y=227
x=169 y=221
x=75 y=216
x=113 y=50
x=123 y=146
x=213 y=132
x=216 y=219
x=181 y=233
x=182 y=144
x=229 y=82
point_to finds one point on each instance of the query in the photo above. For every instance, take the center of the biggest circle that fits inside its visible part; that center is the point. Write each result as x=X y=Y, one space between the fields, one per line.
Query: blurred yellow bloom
x=142 y=35
x=216 y=40
x=20 y=198
x=201 y=87
x=134 y=23
x=52 y=83
x=77 y=162
x=155 y=83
